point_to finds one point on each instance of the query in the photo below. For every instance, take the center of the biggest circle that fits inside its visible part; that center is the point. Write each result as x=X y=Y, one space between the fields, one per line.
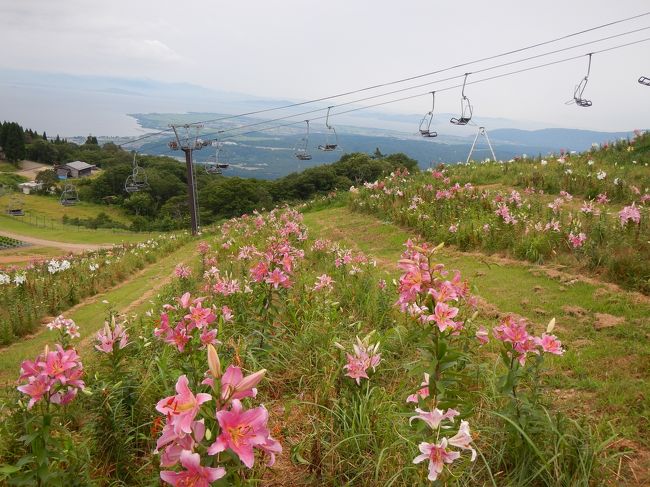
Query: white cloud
x=148 y=50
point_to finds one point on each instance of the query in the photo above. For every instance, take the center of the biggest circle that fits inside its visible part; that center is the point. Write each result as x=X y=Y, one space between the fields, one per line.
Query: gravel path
x=71 y=247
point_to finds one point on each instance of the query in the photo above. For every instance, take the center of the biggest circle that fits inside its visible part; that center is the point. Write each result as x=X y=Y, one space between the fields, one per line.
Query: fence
x=41 y=221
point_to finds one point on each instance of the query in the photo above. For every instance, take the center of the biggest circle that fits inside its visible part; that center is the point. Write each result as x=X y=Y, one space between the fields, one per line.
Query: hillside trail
x=126 y=298
x=70 y=247
x=538 y=293
x=29 y=169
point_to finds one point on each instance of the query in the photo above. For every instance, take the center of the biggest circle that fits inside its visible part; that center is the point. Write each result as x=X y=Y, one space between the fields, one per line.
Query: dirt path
x=127 y=297
x=30 y=169
x=70 y=247
x=159 y=283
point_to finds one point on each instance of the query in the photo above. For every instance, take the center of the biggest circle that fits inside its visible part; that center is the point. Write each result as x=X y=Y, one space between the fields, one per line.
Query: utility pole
x=188 y=144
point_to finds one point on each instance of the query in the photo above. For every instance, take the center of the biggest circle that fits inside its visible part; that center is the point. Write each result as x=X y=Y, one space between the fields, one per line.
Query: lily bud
x=250 y=381
x=551 y=325
x=213 y=362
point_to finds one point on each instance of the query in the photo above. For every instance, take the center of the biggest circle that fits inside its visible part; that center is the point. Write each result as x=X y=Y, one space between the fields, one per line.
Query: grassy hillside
x=49 y=207
x=344 y=346
x=69 y=233
x=582 y=211
x=288 y=294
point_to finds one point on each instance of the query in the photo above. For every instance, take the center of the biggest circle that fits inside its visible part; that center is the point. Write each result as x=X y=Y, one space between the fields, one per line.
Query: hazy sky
x=301 y=49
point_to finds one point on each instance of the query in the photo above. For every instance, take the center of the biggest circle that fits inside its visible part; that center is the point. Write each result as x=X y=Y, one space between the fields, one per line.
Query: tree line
x=163 y=204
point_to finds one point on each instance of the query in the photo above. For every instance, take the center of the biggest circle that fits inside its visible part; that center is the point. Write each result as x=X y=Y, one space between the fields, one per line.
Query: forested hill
x=269 y=155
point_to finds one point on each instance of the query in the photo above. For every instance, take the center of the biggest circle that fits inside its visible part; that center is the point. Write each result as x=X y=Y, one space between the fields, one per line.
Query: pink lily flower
x=209 y=337
x=241 y=431
x=482 y=335
x=59 y=362
x=434 y=417
x=443 y=316
x=235 y=386
x=109 y=337
x=550 y=344
x=36 y=388
x=182 y=408
x=199 y=316
x=278 y=278
x=463 y=438
x=259 y=271
x=438 y=455
x=227 y=313
x=271 y=447
x=174 y=444
x=423 y=392
x=195 y=475
x=356 y=368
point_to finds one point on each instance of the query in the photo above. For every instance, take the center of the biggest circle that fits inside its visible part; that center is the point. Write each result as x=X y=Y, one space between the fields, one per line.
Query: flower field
x=584 y=211
x=44 y=288
x=280 y=359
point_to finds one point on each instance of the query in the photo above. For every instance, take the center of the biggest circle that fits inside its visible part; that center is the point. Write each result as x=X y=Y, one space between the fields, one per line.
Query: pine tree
x=44 y=135
x=13 y=142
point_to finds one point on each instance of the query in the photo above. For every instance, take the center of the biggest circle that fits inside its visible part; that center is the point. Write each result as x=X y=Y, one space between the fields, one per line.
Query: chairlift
x=137 y=180
x=644 y=80
x=15 y=206
x=216 y=167
x=69 y=195
x=465 y=107
x=579 y=90
x=327 y=147
x=302 y=153
x=173 y=145
x=425 y=123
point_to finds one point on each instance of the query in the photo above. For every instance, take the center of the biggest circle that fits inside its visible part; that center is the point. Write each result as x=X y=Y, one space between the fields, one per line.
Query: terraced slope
x=605 y=373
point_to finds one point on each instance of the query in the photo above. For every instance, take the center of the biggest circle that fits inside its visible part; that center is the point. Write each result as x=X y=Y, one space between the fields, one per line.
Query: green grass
x=70 y=234
x=50 y=207
x=7 y=167
x=606 y=372
x=90 y=315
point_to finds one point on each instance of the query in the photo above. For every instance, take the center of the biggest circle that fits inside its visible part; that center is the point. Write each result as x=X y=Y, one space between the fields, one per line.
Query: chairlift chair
x=216 y=167
x=327 y=147
x=465 y=107
x=15 y=206
x=578 y=92
x=425 y=123
x=137 y=180
x=644 y=80
x=212 y=168
x=302 y=153
x=69 y=195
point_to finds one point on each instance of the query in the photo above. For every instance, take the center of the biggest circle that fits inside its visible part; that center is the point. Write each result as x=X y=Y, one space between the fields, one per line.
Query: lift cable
x=502 y=75
x=428 y=93
x=507 y=53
